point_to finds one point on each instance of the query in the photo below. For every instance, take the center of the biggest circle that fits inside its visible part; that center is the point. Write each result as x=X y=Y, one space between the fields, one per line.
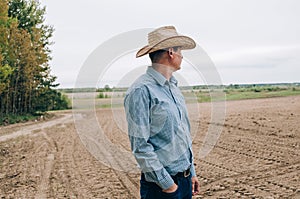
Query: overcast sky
x=249 y=41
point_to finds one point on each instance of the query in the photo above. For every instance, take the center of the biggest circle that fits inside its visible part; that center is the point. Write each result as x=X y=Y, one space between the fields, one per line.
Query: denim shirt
x=158 y=127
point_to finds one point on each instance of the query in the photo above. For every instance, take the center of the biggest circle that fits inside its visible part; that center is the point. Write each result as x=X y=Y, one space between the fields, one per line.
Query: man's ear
x=170 y=52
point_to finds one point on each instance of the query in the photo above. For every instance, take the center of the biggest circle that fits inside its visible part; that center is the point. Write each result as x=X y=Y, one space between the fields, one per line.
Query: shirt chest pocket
x=158 y=117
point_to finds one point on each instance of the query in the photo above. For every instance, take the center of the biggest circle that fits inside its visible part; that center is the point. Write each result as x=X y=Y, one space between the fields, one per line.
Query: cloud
x=258 y=57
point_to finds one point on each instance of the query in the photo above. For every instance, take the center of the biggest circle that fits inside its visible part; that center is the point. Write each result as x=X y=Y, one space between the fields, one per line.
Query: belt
x=184 y=174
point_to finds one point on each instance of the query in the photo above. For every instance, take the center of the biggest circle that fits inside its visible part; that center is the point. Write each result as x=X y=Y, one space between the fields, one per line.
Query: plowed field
x=256 y=156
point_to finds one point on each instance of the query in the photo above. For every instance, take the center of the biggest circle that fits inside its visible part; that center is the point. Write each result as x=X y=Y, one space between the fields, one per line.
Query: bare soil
x=256 y=156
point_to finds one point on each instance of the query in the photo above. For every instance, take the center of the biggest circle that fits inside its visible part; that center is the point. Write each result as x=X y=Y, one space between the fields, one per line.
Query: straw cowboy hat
x=165 y=37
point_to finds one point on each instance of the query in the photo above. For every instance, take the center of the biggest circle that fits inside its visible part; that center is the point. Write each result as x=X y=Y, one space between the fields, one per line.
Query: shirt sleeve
x=193 y=171
x=137 y=107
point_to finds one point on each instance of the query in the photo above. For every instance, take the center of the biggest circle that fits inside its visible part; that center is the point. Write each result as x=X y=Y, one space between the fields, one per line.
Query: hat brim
x=183 y=41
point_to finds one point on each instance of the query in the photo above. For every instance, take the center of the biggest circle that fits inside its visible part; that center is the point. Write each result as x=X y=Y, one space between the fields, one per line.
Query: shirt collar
x=159 y=78
x=173 y=80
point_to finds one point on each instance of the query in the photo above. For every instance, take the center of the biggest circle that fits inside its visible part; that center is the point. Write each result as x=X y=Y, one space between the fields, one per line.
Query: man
x=158 y=124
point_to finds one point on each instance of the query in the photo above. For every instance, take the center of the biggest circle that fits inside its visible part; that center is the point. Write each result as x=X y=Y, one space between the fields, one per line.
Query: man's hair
x=156 y=55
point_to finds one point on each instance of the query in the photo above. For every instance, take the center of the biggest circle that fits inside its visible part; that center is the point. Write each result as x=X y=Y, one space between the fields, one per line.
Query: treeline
x=26 y=85
x=266 y=86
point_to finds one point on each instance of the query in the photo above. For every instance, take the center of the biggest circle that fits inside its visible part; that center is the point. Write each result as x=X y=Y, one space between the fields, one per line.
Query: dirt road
x=256 y=156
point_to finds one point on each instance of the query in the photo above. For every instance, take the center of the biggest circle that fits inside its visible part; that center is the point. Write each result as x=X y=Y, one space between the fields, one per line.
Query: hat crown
x=166 y=37
x=161 y=34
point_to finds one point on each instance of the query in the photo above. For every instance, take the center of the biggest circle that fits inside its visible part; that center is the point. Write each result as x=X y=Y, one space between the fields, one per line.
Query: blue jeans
x=150 y=190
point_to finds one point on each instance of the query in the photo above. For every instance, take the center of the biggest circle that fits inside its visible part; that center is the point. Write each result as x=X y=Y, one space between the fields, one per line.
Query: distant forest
x=262 y=86
x=26 y=85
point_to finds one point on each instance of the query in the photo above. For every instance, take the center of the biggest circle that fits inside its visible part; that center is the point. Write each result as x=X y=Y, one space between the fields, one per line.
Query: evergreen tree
x=26 y=85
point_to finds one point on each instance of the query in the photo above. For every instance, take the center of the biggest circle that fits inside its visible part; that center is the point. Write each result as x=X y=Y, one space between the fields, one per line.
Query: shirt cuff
x=162 y=178
x=166 y=182
x=193 y=171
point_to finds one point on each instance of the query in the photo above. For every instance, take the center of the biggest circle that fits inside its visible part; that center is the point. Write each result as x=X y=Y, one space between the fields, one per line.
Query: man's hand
x=195 y=186
x=172 y=189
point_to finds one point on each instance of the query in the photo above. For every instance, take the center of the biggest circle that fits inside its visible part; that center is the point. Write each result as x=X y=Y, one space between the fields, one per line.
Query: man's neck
x=165 y=70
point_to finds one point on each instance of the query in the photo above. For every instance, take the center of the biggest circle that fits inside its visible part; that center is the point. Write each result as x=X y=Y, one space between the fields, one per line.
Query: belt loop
x=187 y=173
